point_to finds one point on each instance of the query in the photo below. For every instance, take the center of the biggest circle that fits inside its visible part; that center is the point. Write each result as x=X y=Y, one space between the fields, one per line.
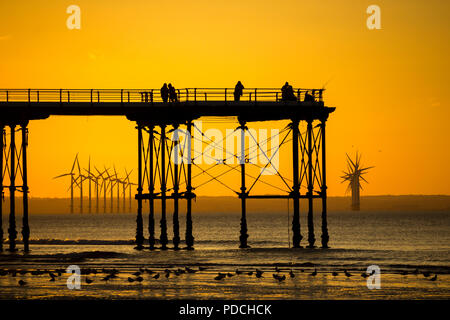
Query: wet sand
x=201 y=284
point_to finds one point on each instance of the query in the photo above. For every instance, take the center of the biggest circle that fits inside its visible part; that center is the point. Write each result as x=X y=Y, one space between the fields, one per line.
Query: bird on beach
x=137 y=273
x=347 y=274
x=278 y=277
x=291 y=274
x=156 y=276
x=334 y=274
x=189 y=270
x=22 y=283
x=250 y=273
x=426 y=274
x=23 y=272
x=230 y=275
x=139 y=279
x=52 y=276
x=130 y=279
x=434 y=278
x=89 y=281
x=259 y=273
x=108 y=277
x=220 y=276
x=238 y=272
x=314 y=273
x=364 y=275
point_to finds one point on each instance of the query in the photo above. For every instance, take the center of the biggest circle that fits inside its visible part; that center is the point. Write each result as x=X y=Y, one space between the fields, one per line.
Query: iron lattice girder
x=18 y=154
x=13 y=167
x=312 y=156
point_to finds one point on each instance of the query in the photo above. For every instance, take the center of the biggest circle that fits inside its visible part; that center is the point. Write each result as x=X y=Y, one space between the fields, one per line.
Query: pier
x=159 y=177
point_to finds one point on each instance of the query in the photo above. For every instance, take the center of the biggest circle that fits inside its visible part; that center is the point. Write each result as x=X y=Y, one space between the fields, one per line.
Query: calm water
x=394 y=241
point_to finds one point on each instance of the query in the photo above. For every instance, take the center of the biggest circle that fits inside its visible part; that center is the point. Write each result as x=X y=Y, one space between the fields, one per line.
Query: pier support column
x=243 y=195
x=139 y=222
x=296 y=237
x=311 y=238
x=2 y=146
x=325 y=236
x=163 y=223
x=25 y=225
x=189 y=237
x=12 y=192
x=176 y=224
x=151 y=217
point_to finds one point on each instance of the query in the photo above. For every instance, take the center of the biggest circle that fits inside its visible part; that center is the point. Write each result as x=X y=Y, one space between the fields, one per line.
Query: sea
x=409 y=248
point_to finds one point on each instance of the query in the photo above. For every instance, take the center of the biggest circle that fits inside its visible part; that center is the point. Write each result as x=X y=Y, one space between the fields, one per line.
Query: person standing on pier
x=172 y=94
x=238 y=91
x=164 y=93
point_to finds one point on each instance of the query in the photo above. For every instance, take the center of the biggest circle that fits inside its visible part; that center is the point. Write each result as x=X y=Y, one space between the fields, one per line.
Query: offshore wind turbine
x=125 y=185
x=117 y=182
x=111 y=188
x=353 y=175
x=98 y=187
x=90 y=178
x=82 y=178
x=72 y=181
x=104 y=186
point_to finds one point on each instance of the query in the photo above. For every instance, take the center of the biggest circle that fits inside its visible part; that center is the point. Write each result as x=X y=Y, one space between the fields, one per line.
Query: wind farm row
x=104 y=185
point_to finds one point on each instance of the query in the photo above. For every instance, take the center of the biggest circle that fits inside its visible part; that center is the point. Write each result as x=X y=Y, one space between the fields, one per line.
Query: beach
x=409 y=248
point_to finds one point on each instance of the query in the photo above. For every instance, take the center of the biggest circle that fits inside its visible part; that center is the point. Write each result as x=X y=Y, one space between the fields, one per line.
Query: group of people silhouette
x=168 y=93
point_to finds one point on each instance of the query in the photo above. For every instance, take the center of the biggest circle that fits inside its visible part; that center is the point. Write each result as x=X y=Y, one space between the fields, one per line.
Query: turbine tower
x=353 y=175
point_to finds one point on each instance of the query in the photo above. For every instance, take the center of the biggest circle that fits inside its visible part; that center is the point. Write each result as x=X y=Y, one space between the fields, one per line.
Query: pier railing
x=152 y=95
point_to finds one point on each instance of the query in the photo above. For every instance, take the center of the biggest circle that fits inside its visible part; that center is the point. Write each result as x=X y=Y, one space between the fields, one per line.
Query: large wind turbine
x=104 y=186
x=118 y=182
x=72 y=181
x=80 y=184
x=126 y=184
x=111 y=188
x=353 y=175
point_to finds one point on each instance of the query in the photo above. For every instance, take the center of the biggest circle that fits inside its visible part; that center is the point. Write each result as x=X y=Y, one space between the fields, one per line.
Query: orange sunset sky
x=390 y=86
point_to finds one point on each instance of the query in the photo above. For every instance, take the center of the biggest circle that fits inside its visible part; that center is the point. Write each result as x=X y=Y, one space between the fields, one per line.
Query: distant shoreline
x=206 y=204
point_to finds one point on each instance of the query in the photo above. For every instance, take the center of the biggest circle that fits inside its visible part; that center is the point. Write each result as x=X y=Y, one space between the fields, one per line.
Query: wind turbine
x=104 y=186
x=82 y=178
x=72 y=181
x=353 y=175
x=118 y=182
x=111 y=186
x=90 y=177
x=125 y=185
